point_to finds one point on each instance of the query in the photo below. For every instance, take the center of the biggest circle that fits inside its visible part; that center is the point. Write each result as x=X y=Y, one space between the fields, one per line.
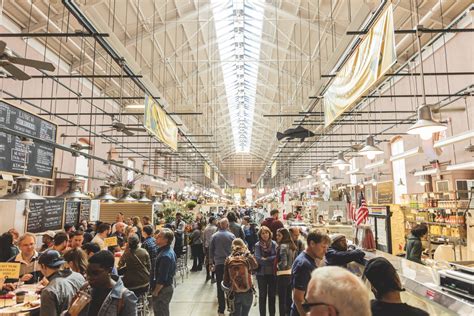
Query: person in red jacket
x=273 y=222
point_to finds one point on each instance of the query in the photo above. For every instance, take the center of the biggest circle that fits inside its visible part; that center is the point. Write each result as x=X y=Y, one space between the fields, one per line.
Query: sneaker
x=213 y=281
x=220 y=314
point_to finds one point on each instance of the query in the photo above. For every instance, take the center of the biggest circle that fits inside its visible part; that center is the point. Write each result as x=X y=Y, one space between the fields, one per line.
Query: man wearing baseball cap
x=386 y=287
x=339 y=253
x=62 y=286
x=48 y=237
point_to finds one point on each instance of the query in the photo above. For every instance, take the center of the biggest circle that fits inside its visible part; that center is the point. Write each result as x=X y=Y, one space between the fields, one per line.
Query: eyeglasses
x=307 y=306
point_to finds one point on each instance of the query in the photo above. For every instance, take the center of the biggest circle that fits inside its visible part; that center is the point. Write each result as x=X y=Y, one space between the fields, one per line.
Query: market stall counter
x=422 y=287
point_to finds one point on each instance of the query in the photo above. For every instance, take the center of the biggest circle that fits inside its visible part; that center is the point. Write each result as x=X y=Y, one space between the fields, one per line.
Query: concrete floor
x=195 y=297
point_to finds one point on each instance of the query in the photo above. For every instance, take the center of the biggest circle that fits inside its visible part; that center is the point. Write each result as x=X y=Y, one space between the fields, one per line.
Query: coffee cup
x=20 y=297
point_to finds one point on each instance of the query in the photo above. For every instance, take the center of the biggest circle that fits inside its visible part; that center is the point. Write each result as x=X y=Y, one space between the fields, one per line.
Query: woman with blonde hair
x=238 y=269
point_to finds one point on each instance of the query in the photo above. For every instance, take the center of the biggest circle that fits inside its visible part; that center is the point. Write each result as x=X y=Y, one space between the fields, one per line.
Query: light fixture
x=454 y=139
x=370 y=150
x=425 y=126
x=354 y=172
x=376 y=164
x=74 y=191
x=408 y=153
x=322 y=172
x=143 y=198
x=422 y=181
x=104 y=194
x=126 y=197
x=426 y=172
x=135 y=106
x=261 y=190
x=22 y=191
x=341 y=163
x=461 y=166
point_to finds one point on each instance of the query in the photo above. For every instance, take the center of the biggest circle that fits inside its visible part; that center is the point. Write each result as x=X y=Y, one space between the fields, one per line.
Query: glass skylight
x=238 y=26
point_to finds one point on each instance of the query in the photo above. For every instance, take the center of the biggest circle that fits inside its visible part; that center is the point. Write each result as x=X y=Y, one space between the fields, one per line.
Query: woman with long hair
x=138 y=225
x=136 y=266
x=76 y=258
x=265 y=253
x=286 y=254
x=7 y=248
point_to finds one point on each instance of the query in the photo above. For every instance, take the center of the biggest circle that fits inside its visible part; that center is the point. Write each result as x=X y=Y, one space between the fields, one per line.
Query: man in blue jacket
x=339 y=253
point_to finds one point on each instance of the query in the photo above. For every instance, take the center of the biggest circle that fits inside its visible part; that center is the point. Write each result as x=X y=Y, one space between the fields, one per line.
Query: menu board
x=385 y=192
x=72 y=212
x=45 y=215
x=13 y=154
x=85 y=210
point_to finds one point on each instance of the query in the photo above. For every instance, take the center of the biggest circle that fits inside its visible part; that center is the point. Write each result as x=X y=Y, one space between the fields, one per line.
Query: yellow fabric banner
x=207 y=170
x=274 y=169
x=158 y=123
x=367 y=64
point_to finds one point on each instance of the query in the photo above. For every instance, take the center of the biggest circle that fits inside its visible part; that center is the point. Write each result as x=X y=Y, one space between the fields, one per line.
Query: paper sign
x=111 y=241
x=10 y=270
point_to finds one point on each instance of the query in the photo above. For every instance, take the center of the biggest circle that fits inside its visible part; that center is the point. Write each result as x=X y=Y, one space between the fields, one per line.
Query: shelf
x=436 y=223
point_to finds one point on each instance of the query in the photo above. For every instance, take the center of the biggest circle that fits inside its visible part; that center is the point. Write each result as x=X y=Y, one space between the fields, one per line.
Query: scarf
x=266 y=247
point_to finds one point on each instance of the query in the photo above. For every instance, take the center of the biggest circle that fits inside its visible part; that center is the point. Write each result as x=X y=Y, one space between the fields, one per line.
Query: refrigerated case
x=379 y=220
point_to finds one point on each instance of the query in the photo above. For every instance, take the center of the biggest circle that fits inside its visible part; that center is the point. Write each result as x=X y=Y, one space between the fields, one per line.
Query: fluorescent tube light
x=376 y=164
x=426 y=172
x=408 y=153
x=461 y=166
x=353 y=171
x=454 y=139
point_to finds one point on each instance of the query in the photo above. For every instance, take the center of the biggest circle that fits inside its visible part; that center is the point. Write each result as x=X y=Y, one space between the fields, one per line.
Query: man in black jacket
x=339 y=253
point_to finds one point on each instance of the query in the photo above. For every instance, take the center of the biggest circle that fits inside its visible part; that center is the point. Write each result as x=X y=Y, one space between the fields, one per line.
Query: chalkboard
x=72 y=213
x=85 y=210
x=45 y=215
x=40 y=157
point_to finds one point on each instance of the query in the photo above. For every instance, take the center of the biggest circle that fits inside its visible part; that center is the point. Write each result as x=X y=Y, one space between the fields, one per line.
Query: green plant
x=191 y=205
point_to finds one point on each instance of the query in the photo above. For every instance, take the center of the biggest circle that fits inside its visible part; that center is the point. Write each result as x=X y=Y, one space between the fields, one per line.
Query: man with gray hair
x=335 y=291
x=164 y=271
x=219 y=249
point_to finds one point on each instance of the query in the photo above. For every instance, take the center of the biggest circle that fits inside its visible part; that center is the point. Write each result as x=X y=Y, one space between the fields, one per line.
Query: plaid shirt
x=149 y=244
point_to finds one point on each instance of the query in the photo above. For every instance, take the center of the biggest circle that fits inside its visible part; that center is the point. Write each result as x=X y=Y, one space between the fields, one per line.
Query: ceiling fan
x=8 y=61
x=122 y=127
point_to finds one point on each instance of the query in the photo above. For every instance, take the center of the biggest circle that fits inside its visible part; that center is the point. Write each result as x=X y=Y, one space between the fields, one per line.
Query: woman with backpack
x=286 y=254
x=237 y=281
x=265 y=253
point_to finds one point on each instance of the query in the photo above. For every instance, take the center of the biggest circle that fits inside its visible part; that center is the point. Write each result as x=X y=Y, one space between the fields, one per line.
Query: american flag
x=362 y=212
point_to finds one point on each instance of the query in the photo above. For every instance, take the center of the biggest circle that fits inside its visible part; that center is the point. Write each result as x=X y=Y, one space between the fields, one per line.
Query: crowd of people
x=307 y=271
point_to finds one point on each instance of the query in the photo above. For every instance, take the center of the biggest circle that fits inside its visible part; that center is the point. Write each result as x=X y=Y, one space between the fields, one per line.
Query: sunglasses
x=307 y=306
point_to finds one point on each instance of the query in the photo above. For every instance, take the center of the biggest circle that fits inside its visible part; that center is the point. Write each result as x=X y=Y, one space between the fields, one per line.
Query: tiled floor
x=195 y=297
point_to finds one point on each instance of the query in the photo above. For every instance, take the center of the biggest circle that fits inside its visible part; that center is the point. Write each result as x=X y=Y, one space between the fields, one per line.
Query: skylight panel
x=238 y=26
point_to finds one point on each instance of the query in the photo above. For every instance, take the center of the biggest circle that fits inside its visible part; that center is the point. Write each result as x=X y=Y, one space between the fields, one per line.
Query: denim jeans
x=284 y=294
x=242 y=303
x=220 y=291
x=161 y=303
x=266 y=288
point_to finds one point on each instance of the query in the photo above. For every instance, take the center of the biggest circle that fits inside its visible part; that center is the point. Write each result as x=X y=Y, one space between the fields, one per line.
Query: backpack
x=240 y=277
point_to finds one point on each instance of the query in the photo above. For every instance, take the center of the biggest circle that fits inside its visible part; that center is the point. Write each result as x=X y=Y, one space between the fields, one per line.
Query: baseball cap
x=336 y=237
x=49 y=233
x=51 y=258
x=382 y=275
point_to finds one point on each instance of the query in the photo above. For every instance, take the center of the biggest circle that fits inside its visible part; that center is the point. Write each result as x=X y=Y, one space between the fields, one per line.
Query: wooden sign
x=111 y=241
x=385 y=192
x=10 y=270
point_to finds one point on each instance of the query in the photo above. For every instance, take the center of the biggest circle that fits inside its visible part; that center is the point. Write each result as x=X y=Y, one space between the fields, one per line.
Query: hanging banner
x=207 y=170
x=367 y=64
x=216 y=177
x=158 y=123
x=274 y=169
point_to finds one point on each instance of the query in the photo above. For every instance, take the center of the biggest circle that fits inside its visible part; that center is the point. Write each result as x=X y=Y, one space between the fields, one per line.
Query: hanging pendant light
x=74 y=191
x=422 y=181
x=322 y=172
x=370 y=150
x=425 y=126
x=22 y=191
x=143 y=198
x=341 y=163
x=126 y=197
x=104 y=194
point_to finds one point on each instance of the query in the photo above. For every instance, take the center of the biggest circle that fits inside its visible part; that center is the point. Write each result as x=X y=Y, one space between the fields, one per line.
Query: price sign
x=111 y=241
x=10 y=270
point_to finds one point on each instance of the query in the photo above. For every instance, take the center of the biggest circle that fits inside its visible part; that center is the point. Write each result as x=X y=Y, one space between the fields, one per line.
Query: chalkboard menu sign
x=85 y=210
x=72 y=212
x=45 y=215
x=40 y=157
